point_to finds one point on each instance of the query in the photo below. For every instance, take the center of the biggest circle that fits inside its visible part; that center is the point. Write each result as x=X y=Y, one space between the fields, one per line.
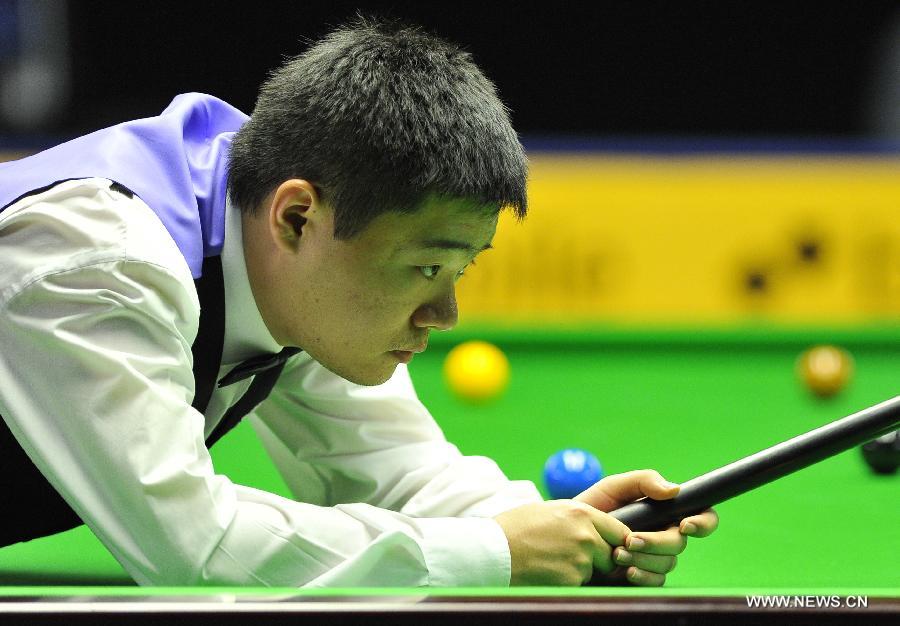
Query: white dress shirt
x=98 y=312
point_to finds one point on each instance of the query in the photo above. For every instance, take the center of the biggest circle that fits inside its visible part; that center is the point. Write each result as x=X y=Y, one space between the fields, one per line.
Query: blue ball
x=569 y=472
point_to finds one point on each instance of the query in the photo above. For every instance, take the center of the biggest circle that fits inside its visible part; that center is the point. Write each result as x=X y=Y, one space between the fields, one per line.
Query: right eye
x=429 y=271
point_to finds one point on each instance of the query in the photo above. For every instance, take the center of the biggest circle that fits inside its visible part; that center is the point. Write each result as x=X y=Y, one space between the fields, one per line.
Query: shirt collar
x=246 y=334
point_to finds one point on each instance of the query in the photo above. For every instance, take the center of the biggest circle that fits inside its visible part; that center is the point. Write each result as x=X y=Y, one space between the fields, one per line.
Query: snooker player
x=165 y=277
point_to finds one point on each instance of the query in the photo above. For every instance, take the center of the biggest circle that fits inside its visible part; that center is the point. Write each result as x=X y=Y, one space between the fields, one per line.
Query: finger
x=643 y=578
x=656 y=563
x=618 y=489
x=669 y=542
x=701 y=525
x=604 y=579
x=602 y=560
x=611 y=530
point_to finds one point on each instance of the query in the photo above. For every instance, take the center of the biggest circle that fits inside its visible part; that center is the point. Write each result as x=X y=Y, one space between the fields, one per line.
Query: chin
x=371 y=377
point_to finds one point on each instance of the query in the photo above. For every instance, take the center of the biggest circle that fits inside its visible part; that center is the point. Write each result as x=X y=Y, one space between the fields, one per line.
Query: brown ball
x=825 y=370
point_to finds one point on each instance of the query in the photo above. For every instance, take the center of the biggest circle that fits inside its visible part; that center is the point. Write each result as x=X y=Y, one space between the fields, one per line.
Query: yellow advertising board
x=696 y=239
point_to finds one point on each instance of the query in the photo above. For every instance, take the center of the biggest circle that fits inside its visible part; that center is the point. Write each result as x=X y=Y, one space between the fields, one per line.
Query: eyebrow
x=450 y=244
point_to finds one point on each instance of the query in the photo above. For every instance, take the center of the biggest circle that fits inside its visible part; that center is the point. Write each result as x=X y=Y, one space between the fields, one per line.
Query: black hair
x=380 y=116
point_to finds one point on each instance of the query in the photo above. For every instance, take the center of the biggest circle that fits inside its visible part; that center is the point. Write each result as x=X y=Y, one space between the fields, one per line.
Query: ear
x=293 y=203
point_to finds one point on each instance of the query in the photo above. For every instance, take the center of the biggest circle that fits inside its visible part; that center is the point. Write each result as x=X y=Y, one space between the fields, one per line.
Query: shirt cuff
x=465 y=552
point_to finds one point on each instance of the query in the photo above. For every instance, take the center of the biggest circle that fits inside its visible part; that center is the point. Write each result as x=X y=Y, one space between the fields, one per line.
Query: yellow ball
x=825 y=370
x=476 y=371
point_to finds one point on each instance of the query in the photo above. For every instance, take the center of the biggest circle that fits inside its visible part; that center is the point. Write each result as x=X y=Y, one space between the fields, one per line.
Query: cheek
x=379 y=314
x=375 y=312
x=360 y=303
x=377 y=295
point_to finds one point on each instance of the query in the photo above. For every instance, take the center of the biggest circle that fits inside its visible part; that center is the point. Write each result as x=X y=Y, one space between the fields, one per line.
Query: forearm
x=383 y=448
x=273 y=541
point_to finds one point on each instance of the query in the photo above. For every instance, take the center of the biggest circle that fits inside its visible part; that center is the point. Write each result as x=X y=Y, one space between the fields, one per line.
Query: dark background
x=717 y=68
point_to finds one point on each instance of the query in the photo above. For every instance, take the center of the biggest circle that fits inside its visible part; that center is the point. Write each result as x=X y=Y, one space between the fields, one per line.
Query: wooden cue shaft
x=708 y=489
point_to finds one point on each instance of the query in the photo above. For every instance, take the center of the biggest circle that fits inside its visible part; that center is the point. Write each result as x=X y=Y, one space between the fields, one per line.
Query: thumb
x=620 y=489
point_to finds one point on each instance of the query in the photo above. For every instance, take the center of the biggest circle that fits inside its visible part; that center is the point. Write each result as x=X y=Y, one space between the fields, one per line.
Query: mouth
x=405 y=356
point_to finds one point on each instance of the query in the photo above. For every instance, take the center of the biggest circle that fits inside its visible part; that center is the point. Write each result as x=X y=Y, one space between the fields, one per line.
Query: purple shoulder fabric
x=175 y=162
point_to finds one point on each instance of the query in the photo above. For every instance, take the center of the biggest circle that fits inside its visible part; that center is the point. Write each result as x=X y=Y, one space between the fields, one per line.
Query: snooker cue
x=706 y=490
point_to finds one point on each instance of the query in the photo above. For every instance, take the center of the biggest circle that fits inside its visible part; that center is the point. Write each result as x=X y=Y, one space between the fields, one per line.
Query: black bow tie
x=256 y=365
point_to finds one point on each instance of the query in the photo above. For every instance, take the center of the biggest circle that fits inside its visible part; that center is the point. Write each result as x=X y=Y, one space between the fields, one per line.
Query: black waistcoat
x=35 y=509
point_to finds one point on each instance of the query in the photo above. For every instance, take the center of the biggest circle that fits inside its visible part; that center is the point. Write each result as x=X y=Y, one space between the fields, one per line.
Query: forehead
x=443 y=225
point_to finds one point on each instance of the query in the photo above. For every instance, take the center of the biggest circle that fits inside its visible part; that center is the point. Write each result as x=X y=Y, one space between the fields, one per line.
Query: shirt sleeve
x=97 y=316
x=334 y=441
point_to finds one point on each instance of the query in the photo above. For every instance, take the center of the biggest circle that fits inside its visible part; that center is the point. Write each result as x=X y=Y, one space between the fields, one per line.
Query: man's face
x=362 y=306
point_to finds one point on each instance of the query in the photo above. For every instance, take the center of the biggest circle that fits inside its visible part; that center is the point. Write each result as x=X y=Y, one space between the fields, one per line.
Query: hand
x=560 y=542
x=646 y=557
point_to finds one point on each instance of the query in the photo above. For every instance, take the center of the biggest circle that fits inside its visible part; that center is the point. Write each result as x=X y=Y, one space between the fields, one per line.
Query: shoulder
x=80 y=224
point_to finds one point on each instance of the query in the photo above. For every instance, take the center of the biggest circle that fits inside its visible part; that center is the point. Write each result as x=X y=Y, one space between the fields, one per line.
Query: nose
x=441 y=314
